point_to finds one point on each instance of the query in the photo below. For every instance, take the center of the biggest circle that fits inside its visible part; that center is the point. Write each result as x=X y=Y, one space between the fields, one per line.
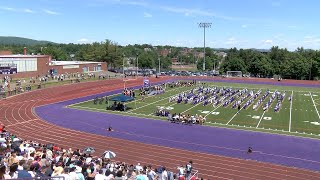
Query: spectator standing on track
x=188 y=169
x=2 y=128
x=150 y=173
x=164 y=174
x=181 y=171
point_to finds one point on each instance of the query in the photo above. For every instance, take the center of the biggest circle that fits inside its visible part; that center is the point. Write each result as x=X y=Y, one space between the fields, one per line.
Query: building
x=221 y=54
x=25 y=66
x=60 y=67
x=5 y=52
x=165 y=52
x=147 y=49
x=186 y=51
x=198 y=55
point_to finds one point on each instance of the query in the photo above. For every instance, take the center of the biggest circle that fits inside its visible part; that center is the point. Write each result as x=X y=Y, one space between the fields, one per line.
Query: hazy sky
x=235 y=23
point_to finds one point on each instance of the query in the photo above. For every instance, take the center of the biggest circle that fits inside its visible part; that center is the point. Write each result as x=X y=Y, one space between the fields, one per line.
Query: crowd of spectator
x=23 y=85
x=29 y=159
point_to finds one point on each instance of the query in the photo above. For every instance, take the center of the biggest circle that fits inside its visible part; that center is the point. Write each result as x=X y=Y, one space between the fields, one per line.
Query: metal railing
x=194 y=174
x=42 y=178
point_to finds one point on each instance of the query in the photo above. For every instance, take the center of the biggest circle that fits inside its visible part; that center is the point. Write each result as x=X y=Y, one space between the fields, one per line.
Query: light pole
x=123 y=58
x=204 y=25
x=159 y=64
x=137 y=56
x=310 y=71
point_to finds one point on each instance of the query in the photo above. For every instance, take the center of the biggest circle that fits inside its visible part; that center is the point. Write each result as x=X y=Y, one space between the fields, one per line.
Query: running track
x=17 y=113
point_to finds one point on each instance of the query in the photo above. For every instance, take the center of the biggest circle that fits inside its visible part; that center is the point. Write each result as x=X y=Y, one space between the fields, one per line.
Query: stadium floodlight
x=159 y=64
x=123 y=58
x=137 y=61
x=204 y=25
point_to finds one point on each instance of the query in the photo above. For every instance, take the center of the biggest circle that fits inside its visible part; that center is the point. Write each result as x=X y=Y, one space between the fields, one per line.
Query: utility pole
x=204 y=25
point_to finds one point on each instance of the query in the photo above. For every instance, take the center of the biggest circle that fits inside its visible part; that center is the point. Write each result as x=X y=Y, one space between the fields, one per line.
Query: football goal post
x=234 y=74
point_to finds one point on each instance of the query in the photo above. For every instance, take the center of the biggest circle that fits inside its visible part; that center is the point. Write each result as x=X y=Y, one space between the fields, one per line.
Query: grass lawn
x=298 y=117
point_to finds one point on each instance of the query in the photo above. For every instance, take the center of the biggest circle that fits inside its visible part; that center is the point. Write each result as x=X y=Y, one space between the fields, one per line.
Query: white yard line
x=233 y=116
x=213 y=110
x=314 y=105
x=146 y=97
x=88 y=100
x=118 y=94
x=158 y=101
x=290 y=112
x=241 y=108
x=219 y=105
x=192 y=107
x=260 y=119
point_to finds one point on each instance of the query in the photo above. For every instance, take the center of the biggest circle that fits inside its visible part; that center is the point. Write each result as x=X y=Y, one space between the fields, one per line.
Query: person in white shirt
x=138 y=167
x=73 y=175
x=100 y=176
x=59 y=172
x=66 y=176
x=164 y=174
x=21 y=163
x=13 y=171
x=151 y=173
x=181 y=170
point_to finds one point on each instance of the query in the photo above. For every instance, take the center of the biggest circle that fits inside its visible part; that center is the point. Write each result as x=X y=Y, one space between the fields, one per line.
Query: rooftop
x=71 y=62
x=23 y=56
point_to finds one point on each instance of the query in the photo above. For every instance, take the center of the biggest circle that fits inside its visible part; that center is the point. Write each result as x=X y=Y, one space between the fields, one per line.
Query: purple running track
x=279 y=149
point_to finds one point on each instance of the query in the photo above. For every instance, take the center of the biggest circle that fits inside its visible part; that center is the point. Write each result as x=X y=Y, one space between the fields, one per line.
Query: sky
x=242 y=24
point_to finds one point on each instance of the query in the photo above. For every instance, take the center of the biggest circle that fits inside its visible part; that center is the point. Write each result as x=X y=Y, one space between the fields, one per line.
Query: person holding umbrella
x=88 y=150
x=108 y=155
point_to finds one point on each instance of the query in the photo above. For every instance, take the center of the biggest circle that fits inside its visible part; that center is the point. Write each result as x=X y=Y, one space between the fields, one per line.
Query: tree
x=260 y=65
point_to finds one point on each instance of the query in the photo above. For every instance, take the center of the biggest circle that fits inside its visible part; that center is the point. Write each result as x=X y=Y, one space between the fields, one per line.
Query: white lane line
x=260 y=119
x=290 y=111
x=314 y=105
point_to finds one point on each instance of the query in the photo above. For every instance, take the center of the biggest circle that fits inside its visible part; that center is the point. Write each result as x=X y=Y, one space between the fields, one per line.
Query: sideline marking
x=314 y=105
x=290 y=111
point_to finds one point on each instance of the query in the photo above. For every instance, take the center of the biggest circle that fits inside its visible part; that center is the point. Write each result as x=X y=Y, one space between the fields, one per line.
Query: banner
x=146 y=83
x=8 y=69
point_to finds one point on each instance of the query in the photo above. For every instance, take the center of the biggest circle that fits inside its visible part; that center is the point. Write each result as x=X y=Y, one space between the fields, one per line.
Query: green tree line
x=299 y=64
x=106 y=51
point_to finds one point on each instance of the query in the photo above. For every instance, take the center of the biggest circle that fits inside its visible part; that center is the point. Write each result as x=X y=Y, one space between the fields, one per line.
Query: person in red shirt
x=56 y=148
x=2 y=129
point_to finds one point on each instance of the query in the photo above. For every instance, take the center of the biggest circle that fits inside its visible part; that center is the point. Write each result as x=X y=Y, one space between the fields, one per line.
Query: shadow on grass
x=113 y=109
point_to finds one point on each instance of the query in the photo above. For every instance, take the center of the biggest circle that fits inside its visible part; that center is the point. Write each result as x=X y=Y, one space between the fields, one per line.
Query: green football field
x=297 y=117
